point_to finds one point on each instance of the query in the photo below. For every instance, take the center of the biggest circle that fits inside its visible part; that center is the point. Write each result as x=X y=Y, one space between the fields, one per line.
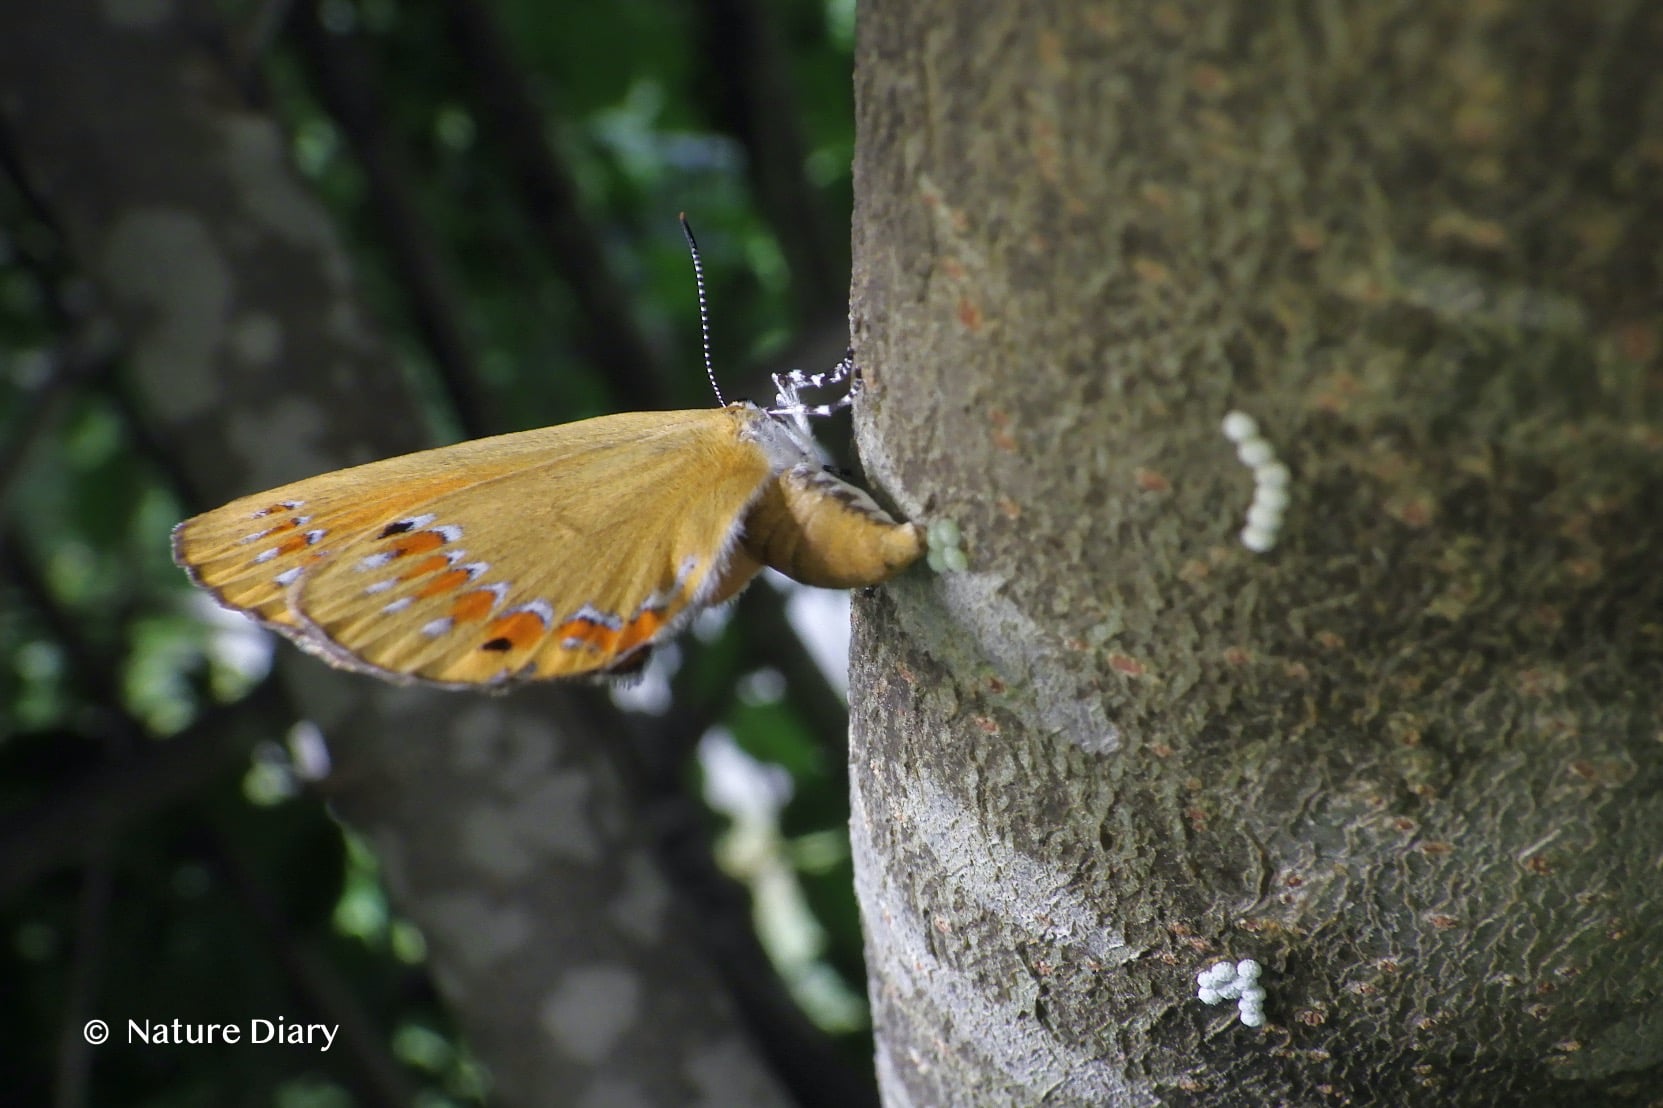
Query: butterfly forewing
x=520 y=556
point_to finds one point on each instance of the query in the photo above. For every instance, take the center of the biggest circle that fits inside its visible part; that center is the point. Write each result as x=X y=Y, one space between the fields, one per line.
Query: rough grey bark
x=505 y=825
x=1410 y=759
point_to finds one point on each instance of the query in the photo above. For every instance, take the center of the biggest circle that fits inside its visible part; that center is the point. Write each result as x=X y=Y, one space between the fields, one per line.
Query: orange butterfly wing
x=549 y=553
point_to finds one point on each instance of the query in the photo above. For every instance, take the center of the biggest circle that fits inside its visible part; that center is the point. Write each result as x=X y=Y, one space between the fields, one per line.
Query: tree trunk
x=1409 y=759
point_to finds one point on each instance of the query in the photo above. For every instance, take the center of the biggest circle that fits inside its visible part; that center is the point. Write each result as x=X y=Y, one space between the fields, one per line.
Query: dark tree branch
x=98 y=676
x=65 y=827
x=611 y=339
x=365 y=1058
x=343 y=72
x=74 y=1061
x=755 y=101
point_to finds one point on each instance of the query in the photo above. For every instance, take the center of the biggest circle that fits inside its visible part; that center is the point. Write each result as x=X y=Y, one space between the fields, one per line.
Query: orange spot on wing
x=473 y=605
x=606 y=640
x=292 y=544
x=419 y=543
x=640 y=629
x=424 y=567
x=595 y=636
x=455 y=579
x=277 y=508
x=520 y=629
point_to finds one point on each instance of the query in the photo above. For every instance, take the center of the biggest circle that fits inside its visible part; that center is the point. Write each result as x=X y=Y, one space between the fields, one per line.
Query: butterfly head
x=788 y=386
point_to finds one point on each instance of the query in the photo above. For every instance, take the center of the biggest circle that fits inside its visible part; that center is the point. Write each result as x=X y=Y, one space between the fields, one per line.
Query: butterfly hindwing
x=251 y=551
x=542 y=554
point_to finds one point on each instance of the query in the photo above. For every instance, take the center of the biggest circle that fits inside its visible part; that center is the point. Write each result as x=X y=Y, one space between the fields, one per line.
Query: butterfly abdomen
x=820 y=530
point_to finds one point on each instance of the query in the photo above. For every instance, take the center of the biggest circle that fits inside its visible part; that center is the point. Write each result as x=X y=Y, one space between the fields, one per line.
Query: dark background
x=508 y=174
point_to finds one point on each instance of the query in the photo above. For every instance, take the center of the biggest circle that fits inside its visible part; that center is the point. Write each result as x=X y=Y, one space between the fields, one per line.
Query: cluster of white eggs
x=944 y=543
x=1237 y=981
x=1270 y=481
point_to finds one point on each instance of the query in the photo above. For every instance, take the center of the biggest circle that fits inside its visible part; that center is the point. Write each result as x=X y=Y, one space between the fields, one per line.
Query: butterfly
x=566 y=551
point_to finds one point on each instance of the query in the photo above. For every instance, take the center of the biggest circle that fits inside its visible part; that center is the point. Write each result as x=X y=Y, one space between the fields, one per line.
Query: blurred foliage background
x=508 y=174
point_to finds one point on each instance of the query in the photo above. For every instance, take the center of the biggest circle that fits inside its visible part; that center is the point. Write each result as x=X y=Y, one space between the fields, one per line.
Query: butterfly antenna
x=704 y=310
